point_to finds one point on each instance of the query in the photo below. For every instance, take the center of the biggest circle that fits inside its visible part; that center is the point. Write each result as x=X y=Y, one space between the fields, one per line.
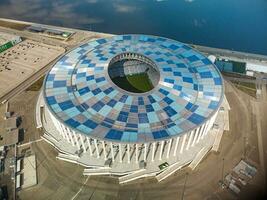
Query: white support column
x=204 y=131
x=96 y=148
x=212 y=120
x=145 y=151
x=176 y=146
x=120 y=153
x=210 y=125
x=71 y=138
x=57 y=126
x=201 y=132
x=153 y=151
x=62 y=131
x=207 y=128
x=89 y=145
x=196 y=135
x=76 y=140
x=128 y=152
x=169 y=148
x=190 y=139
x=136 y=153
x=104 y=150
x=161 y=149
x=66 y=134
x=81 y=137
x=183 y=143
x=112 y=153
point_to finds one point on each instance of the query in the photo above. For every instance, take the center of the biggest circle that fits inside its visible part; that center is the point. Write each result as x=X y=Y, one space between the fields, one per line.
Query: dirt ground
x=62 y=180
x=24 y=106
x=13 y=25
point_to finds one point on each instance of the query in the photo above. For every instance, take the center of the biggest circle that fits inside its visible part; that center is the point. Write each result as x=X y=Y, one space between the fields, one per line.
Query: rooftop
x=80 y=92
x=29 y=171
x=11 y=123
x=9 y=138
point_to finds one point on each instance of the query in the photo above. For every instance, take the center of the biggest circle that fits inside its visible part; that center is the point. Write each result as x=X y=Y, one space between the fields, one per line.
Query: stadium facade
x=97 y=122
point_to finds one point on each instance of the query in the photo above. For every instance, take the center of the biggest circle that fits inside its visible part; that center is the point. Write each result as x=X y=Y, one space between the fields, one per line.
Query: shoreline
x=201 y=48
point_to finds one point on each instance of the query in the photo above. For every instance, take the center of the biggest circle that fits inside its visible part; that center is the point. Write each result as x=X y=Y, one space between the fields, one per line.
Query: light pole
x=222 y=168
x=221 y=182
x=186 y=175
x=245 y=147
x=136 y=195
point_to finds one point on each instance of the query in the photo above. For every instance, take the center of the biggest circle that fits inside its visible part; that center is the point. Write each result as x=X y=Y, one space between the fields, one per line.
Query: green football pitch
x=138 y=83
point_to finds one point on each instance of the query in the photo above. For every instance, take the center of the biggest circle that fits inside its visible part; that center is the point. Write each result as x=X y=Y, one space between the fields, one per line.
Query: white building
x=96 y=123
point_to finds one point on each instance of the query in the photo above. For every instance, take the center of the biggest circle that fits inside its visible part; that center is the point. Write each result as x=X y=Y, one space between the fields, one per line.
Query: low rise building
x=11 y=123
x=9 y=138
x=7 y=41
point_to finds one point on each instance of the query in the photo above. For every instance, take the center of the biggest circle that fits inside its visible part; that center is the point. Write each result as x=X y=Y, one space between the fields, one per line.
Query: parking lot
x=23 y=60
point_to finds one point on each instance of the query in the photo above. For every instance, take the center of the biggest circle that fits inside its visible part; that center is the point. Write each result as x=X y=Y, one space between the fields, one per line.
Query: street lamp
x=244 y=147
x=221 y=182
x=186 y=175
x=222 y=168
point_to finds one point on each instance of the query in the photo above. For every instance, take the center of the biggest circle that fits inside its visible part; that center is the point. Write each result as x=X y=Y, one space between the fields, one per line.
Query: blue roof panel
x=80 y=93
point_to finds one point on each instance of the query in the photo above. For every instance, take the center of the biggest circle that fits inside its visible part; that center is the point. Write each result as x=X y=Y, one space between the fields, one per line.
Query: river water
x=232 y=24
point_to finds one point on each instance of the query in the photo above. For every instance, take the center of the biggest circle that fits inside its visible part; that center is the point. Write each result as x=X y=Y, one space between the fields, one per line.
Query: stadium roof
x=80 y=93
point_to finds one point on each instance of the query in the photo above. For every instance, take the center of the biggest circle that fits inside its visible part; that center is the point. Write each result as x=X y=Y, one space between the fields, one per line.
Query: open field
x=37 y=85
x=62 y=180
x=249 y=88
x=134 y=83
x=140 y=82
x=13 y=25
x=24 y=60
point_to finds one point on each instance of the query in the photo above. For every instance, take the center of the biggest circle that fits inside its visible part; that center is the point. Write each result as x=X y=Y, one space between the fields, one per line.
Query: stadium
x=131 y=106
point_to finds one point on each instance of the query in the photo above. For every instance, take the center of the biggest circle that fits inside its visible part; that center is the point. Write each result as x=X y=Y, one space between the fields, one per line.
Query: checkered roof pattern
x=80 y=93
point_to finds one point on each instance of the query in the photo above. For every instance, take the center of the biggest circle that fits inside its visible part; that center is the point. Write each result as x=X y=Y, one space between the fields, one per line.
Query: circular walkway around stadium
x=80 y=93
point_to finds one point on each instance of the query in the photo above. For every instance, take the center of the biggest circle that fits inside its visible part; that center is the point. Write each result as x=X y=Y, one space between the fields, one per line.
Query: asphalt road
x=230 y=53
x=61 y=180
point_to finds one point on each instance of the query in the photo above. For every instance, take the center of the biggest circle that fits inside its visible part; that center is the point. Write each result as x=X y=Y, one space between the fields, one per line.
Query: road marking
x=30 y=142
x=80 y=188
x=259 y=135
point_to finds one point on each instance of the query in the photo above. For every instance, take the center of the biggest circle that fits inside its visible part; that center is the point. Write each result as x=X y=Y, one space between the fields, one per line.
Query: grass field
x=249 y=88
x=36 y=86
x=138 y=83
x=13 y=25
